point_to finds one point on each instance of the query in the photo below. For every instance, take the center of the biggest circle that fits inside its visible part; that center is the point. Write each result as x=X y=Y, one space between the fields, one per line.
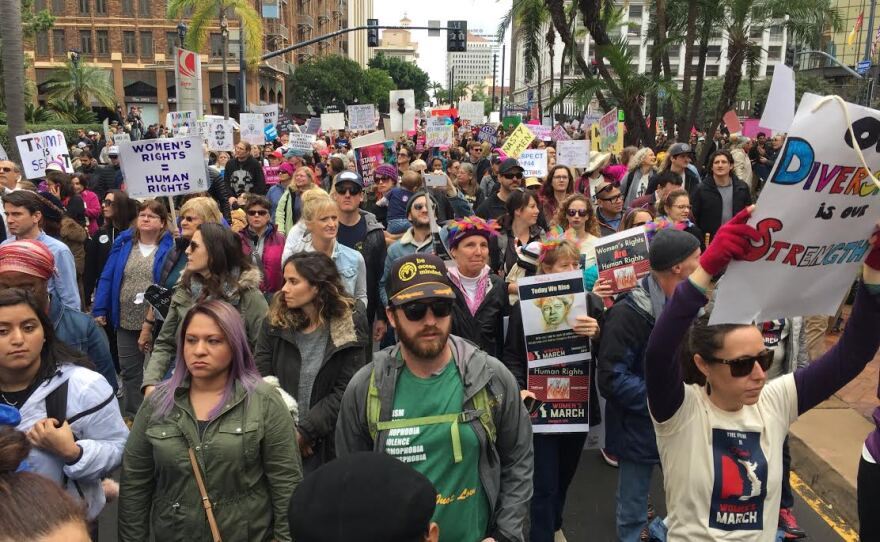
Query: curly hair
x=331 y=301
x=592 y=225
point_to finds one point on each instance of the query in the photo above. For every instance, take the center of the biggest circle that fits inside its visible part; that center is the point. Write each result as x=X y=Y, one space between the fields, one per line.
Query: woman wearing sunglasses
x=216 y=268
x=262 y=243
x=720 y=437
x=313 y=340
x=119 y=212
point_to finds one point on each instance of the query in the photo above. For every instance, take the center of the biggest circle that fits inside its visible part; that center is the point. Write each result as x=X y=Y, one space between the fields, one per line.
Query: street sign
x=863 y=66
x=434 y=28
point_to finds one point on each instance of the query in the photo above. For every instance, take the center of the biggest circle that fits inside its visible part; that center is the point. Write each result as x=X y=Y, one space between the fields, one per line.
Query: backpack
x=483 y=404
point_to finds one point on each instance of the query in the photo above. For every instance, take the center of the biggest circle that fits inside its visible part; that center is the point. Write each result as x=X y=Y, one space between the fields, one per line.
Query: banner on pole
x=163 y=167
x=40 y=149
x=188 y=80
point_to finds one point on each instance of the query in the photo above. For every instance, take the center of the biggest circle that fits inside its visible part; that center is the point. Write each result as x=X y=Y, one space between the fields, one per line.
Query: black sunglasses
x=257 y=212
x=352 y=189
x=579 y=212
x=743 y=366
x=512 y=175
x=417 y=310
x=107 y=202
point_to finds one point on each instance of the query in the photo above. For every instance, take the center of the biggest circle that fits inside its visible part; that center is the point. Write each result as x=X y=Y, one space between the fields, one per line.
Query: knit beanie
x=387 y=170
x=670 y=247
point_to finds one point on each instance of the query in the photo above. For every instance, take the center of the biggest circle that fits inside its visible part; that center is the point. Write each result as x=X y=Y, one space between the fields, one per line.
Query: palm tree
x=204 y=12
x=528 y=18
x=72 y=112
x=13 y=71
x=550 y=37
x=80 y=83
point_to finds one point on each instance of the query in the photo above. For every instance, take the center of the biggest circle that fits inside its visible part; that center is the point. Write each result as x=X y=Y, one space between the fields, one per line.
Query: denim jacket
x=352 y=270
x=80 y=331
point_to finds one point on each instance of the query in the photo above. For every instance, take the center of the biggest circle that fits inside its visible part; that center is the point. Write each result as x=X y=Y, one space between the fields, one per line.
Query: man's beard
x=419 y=346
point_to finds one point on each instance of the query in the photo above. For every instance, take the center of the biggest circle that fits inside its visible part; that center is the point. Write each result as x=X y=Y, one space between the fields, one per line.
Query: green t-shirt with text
x=462 y=510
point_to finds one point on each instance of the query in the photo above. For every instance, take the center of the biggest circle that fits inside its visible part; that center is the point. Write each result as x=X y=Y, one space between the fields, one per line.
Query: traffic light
x=456 y=37
x=757 y=109
x=401 y=106
x=373 y=33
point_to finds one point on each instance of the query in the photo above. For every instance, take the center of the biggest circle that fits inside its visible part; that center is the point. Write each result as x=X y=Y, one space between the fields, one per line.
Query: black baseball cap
x=680 y=148
x=418 y=276
x=508 y=165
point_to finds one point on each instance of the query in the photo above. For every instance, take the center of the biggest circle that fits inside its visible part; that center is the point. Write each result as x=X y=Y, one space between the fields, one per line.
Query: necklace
x=7 y=401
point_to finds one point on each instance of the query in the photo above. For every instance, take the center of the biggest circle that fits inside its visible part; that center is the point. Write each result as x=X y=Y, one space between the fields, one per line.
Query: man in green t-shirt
x=446 y=408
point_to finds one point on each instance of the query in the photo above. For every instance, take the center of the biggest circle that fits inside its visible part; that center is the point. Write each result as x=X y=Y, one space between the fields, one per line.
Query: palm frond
x=203 y=16
x=252 y=29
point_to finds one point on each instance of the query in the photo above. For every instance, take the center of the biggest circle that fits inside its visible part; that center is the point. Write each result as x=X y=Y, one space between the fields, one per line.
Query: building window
x=58 y=45
x=83 y=7
x=635 y=13
x=674 y=51
x=85 y=42
x=42 y=43
x=128 y=7
x=144 y=8
x=713 y=51
x=216 y=45
x=146 y=44
x=58 y=7
x=101 y=7
x=775 y=33
x=711 y=70
x=129 y=46
x=770 y=69
x=756 y=32
x=774 y=52
x=102 y=42
x=170 y=43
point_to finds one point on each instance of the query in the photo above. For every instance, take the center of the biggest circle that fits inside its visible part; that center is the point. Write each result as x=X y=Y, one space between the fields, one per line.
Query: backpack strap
x=56 y=403
x=452 y=419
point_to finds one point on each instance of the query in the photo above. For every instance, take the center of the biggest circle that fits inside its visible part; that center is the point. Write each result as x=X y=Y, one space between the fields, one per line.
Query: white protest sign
x=252 y=128
x=362 y=117
x=301 y=142
x=437 y=132
x=39 y=149
x=472 y=111
x=559 y=134
x=105 y=126
x=333 y=121
x=202 y=129
x=541 y=131
x=269 y=112
x=534 y=163
x=369 y=139
x=163 y=167
x=573 y=152
x=220 y=136
x=402 y=122
x=3 y=155
x=313 y=126
x=121 y=137
x=815 y=215
x=176 y=120
x=779 y=109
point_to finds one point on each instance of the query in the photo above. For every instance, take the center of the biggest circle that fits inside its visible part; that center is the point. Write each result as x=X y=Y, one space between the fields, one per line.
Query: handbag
x=206 y=502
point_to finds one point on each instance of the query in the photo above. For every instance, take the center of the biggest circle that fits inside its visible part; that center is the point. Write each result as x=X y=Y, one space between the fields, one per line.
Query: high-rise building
x=358 y=13
x=838 y=43
x=398 y=43
x=474 y=65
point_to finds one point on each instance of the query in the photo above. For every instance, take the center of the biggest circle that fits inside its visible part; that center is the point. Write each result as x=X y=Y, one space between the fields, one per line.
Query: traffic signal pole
x=300 y=45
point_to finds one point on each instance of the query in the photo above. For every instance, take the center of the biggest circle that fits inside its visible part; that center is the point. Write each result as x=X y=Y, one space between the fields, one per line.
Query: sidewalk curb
x=826 y=482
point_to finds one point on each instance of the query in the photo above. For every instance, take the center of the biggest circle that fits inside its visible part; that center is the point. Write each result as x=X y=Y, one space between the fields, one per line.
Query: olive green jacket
x=249 y=461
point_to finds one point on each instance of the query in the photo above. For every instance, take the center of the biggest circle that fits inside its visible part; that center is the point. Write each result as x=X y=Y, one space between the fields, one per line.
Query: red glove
x=873 y=259
x=731 y=242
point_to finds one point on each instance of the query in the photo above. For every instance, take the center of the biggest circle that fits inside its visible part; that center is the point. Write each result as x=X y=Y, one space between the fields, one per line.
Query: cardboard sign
x=731 y=120
x=362 y=117
x=518 y=141
x=402 y=122
x=815 y=215
x=163 y=167
x=564 y=392
x=488 y=133
x=608 y=130
x=203 y=128
x=269 y=112
x=472 y=111
x=220 y=136
x=438 y=132
x=364 y=140
x=534 y=163
x=333 y=121
x=121 y=137
x=39 y=149
x=559 y=134
x=573 y=153
x=176 y=120
x=778 y=112
x=313 y=126
x=541 y=131
x=550 y=304
x=301 y=142
x=623 y=258
x=252 y=128
x=285 y=124
x=370 y=157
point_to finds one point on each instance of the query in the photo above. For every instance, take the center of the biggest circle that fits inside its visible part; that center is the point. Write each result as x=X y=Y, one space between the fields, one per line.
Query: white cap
x=54 y=166
x=113 y=150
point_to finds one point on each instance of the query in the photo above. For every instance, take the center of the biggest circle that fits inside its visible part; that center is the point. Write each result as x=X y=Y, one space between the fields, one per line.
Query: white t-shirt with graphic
x=723 y=470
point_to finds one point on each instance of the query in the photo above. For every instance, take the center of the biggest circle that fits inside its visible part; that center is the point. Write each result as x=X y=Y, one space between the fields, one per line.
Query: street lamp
x=224 y=36
x=181 y=32
x=74 y=57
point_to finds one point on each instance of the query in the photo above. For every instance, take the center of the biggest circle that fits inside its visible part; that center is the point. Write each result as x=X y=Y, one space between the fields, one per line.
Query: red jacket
x=273 y=246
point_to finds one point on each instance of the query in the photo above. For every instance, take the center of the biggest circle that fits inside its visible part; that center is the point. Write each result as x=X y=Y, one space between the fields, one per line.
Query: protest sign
x=608 y=130
x=333 y=121
x=3 y=155
x=368 y=158
x=163 y=167
x=438 y=132
x=452 y=113
x=270 y=132
x=364 y=140
x=402 y=122
x=220 y=136
x=471 y=111
x=534 y=163
x=623 y=258
x=815 y=215
x=362 y=117
x=203 y=128
x=252 y=128
x=731 y=120
x=488 y=133
x=39 y=149
x=541 y=131
x=176 y=120
x=564 y=392
x=591 y=119
x=549 y=305
x=509 y=123
x=778 y=112
x=121 y=137
x=105 y=126
x=301 y=142
x=285 y=124
x=269 y=112
x=573 y=153
x=313 y=126
x=559 y=134
x=518 y=141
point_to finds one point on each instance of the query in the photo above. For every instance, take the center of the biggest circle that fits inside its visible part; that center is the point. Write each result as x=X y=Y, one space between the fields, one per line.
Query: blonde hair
x=418 y=165
x=314 y=201
x=565 y=249
x=205 y=208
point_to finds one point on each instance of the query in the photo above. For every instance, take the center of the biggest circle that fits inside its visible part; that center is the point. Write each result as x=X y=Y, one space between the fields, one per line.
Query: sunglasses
x=512 y=175
x=416 y=311
x=258 y=212
x=353 y=190
x=419 y=206
x=743 y=366
x=577 y=212
x=107 y=202
x=613 y=199
x=188 y=219
x=381 y=178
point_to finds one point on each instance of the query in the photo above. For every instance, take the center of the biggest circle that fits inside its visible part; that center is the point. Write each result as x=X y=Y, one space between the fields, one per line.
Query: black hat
x=508 y=165
x=680 y=148
x=51 y=207
x=670 y=247
x=365 y=496
x=418 y=276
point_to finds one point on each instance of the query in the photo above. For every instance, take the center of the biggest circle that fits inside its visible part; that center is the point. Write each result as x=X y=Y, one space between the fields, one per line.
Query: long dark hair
x=225 y=259
x=54 y=352
x=518 y=200
x=125 y=210
x=704 y=340
x=546 y=190
x=331 y=301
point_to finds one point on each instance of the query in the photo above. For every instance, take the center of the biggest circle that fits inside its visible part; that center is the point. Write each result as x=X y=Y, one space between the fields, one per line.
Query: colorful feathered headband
x=654 y=226
x=470 y=225
x=554 y=237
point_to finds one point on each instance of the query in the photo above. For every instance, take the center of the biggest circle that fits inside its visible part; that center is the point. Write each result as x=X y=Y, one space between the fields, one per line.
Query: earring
x=708 y=388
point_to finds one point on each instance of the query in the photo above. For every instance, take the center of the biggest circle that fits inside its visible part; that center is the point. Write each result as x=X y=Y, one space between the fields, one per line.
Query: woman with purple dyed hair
x=238 y=429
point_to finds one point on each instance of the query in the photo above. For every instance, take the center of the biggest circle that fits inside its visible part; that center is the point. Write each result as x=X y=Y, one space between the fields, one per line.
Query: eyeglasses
x=512 y=175
x=149 y=217
x=351 y=189
x=258 y=212
x=416 y=311
x=612 y=199
x=381 y=178
x=743 y=366
x=577 y=212
x=107 y=202
x=419 y=206
x=560 y=177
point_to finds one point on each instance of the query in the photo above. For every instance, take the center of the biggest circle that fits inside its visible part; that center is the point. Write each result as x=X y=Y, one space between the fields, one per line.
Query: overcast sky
x=480 y=14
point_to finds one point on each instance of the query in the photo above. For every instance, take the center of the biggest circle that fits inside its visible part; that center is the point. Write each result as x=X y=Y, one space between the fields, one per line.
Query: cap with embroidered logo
x=418 y=276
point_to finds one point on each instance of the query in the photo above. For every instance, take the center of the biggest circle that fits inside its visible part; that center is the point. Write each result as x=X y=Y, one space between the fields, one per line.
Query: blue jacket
x=110 y=283
x=80 y=331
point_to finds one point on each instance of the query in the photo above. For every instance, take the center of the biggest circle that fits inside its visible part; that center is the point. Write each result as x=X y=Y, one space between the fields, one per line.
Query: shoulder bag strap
x=206 y=502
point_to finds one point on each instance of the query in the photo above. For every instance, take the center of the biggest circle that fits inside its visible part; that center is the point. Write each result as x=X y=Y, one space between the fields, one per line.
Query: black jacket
x=482 y=328
x=97 y=252
x=245 y=176
x=691 y=182
x=514 y=354
x=277 y=354
x=106 y=178
x=706 y=203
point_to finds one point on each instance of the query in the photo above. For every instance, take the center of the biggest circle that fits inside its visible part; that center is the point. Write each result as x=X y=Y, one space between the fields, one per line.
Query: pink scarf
x=482 y=288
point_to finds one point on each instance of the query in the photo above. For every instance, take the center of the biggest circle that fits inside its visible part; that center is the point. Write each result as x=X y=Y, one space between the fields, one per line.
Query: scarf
x=482 y=287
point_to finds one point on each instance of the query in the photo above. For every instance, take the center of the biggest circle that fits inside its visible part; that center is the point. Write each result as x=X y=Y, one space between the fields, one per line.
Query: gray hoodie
x=505 y=467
